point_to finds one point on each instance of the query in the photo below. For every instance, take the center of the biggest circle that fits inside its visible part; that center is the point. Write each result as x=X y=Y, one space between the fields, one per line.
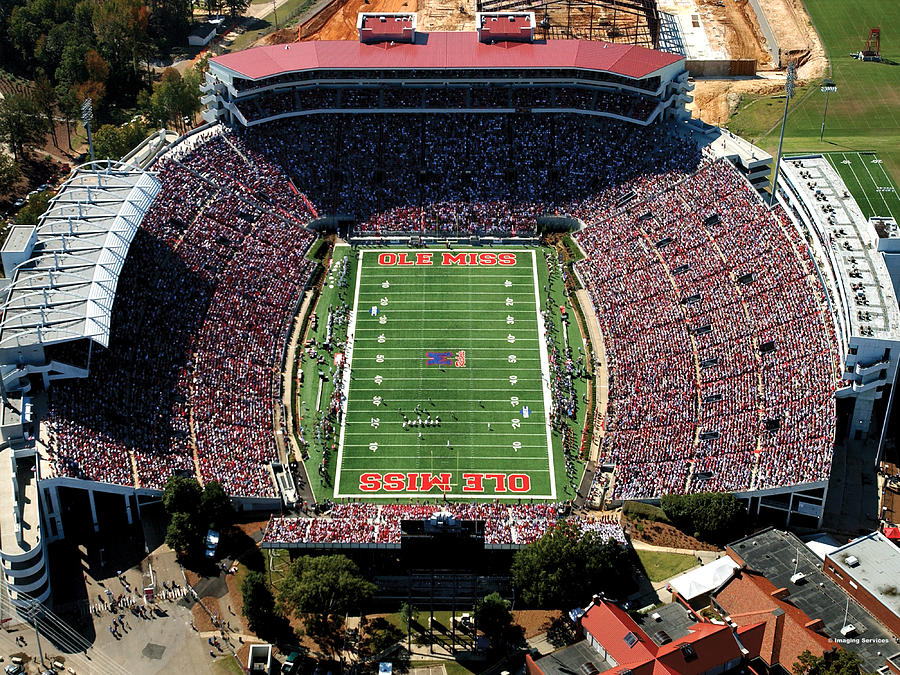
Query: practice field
x=451 y=342
x=868 y=182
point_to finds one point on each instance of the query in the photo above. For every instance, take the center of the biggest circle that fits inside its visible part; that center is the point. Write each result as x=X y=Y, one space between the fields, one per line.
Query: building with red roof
x=394 y=69
x=618 y=644
x=768 y=623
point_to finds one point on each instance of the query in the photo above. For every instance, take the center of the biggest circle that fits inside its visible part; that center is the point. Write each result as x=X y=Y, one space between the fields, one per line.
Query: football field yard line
x=858 y=181
x=348 y=369
x=545 y=372
x=426 y=299
x=893 y=212
x=872 y=178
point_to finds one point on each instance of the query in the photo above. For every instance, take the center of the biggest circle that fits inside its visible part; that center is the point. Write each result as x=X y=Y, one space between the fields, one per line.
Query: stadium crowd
x=200 y=321
x=355 y=522
x=723 y=363
x=722 y=360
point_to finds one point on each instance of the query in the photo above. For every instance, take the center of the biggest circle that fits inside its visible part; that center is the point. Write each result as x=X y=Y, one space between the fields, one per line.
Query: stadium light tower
x=789 y=93
x=87 y=117
x=828 y=87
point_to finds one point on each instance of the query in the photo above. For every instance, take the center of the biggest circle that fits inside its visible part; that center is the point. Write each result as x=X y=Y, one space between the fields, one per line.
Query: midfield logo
x=438 y=358
x=446 y=359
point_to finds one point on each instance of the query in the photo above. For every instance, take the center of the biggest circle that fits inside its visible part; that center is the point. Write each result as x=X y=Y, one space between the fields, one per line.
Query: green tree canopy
x=183 y=536
x=216 y=506
x=322 y=590
x=493 y=617
x=9 y=174
x=712 y=516
x=841 y=662
x=259 y=605
x=21 y=123
x=182 y=495
x=565 y=567
x=114 y=142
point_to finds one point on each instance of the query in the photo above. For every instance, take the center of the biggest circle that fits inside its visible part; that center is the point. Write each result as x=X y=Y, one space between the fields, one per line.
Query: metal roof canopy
x=65 y=289
x=445 y=51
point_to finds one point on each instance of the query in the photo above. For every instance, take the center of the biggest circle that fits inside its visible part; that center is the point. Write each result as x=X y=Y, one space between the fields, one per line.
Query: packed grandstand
x=721 y=354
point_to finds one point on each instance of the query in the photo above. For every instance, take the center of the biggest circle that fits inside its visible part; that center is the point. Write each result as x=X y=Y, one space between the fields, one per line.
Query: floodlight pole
x=87 y=116
x=789 y=92
x=827 y=87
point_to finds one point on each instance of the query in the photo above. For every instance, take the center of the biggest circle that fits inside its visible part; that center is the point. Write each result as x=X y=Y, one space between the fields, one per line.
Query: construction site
x=731 y=47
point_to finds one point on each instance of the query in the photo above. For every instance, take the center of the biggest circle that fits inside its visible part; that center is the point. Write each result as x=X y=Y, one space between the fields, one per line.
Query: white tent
x=703 y=579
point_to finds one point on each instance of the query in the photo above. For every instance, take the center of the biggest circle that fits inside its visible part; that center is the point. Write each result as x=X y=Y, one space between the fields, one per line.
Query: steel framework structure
x=627 y=21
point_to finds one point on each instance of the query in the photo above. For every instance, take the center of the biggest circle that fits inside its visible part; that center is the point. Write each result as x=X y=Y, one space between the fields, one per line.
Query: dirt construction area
x=731 y=27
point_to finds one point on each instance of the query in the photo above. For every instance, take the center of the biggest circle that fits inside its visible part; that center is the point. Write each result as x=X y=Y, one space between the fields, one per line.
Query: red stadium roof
x=446 y=51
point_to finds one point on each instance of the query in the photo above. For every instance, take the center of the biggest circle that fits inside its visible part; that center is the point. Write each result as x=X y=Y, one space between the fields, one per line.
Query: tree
x=840 y=662
x=175 y=97
x=182 y=495
x=69 y=107
x=237 y=7
x=712 y=516
x=36 y=207
x=493 y=617
x=115 y=142
x=121 y=29
x=376 y=637
x=322 y=590
x=20 y=123
x=45 y=99
x=565 y=567
x=259 y=605
x=183 y=536
x=9 y=174
x=216 y=506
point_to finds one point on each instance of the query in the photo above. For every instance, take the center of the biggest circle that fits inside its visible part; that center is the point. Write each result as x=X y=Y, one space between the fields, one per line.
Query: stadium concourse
x=722 y=358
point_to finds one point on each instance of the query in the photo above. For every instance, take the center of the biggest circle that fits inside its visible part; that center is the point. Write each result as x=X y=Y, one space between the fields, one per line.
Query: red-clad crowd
x=722 y=356
x=355 y=522
x=199 y=326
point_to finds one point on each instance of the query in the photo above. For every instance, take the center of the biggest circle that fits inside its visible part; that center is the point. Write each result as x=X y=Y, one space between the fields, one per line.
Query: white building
x=859 y=261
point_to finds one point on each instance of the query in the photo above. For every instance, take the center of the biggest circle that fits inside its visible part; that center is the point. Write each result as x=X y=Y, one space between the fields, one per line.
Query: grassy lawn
x=260 y=27
x=864 y=114
x=226 y=664
x=660 y=565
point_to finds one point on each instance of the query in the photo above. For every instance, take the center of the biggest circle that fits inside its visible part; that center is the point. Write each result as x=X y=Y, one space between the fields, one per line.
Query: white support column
x=93 y=510
x=128 y=507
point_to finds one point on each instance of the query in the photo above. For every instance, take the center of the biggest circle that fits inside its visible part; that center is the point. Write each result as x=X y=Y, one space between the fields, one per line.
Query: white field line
x=345 y=380
x=545 y=372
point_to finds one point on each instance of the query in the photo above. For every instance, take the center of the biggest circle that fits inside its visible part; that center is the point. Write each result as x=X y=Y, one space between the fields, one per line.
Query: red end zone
x=471 y=258
x=425 y=482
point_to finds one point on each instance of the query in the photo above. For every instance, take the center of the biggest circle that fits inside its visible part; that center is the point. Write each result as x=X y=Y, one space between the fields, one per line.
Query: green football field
x=864 y=175
x=454 y=349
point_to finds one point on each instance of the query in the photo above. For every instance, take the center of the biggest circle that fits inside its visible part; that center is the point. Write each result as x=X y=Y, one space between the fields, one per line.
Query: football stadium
x=480 y=273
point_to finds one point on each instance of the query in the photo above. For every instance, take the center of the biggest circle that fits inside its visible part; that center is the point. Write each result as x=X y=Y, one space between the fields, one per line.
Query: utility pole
x=33 y=609
x=789 y=92
x=828 y=86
